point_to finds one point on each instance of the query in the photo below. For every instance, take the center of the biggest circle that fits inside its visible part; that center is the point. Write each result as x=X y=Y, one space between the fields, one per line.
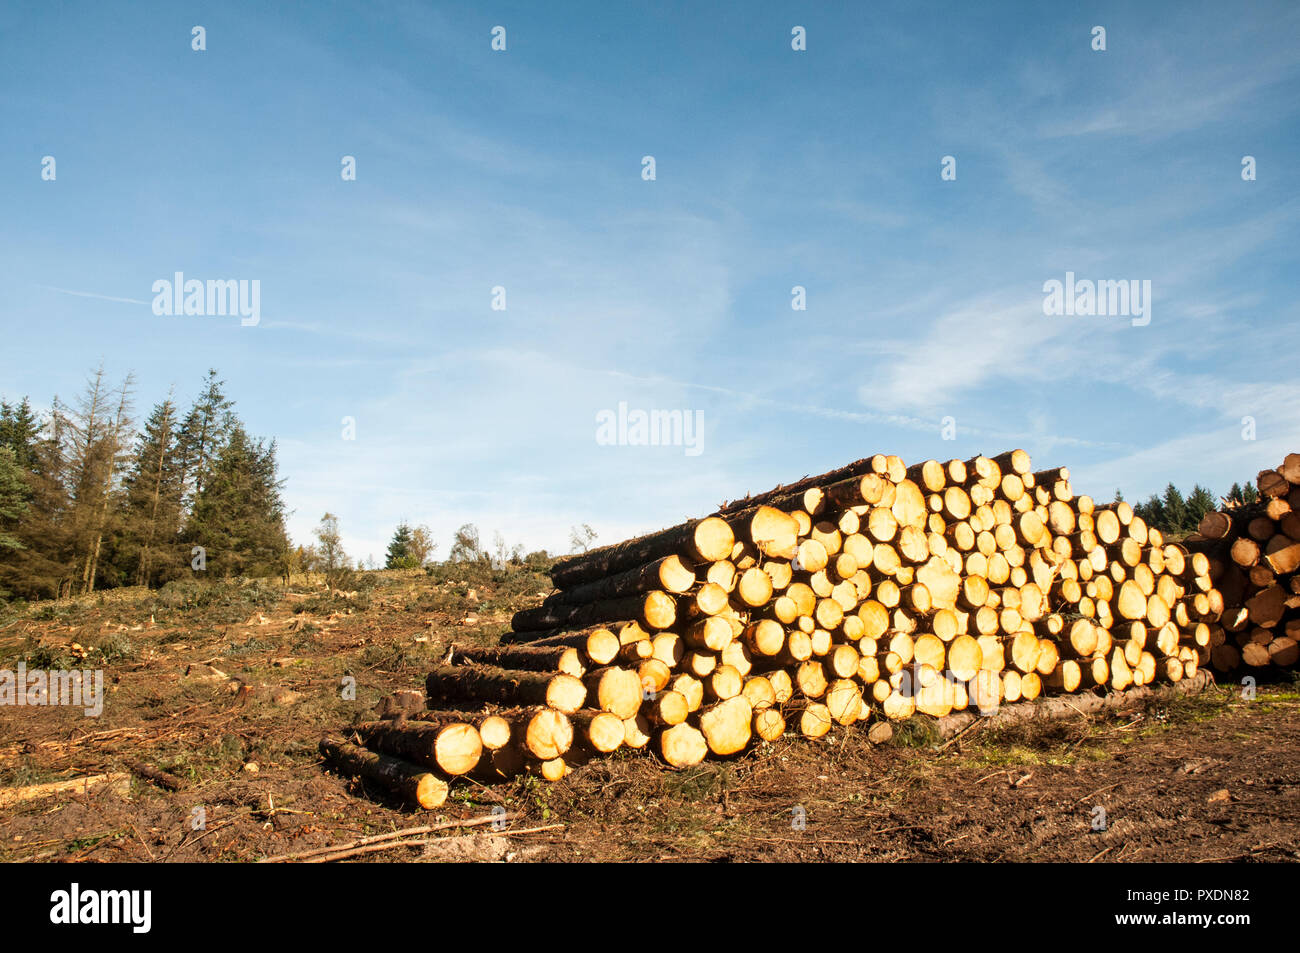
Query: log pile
x=861 y=596
x=1254 y=555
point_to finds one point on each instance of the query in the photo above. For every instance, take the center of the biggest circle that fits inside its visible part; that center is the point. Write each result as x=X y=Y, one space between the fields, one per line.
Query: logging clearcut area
x=220 y=700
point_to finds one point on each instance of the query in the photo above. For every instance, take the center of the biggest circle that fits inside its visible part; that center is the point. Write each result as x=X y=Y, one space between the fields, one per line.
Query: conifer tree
x=238 y=517
x=203 y=434
x=154 y=495
x=399 y=550
x=19 y=431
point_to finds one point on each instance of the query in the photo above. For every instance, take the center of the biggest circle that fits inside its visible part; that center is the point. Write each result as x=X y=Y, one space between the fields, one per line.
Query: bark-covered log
x=528 y=658
x=654 y=610
x=414 y=784
x=475 y=683
x=452 y=747
x=668 y=573
x=599 y=643
x=700 y=541
x=788 y=490
x=1066 y=706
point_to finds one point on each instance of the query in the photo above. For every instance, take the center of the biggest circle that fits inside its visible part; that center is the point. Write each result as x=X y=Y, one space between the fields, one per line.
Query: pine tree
x=14 y=494
x=154 y=495
x=44 y=567
x=1241 y=495
x=19 y=431
x=1199 y=502
x=238 y=517
x=399 y=550
x=1175 y=511
x=205 y=431
x=1152 y=512
x=96 y=454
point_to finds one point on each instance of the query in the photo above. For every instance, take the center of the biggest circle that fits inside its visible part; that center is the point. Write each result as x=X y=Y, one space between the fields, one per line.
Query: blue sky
x=775 y=168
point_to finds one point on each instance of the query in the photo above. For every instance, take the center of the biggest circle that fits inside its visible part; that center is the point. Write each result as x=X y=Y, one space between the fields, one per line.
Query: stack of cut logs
x=1254 y=552
x=867 y=594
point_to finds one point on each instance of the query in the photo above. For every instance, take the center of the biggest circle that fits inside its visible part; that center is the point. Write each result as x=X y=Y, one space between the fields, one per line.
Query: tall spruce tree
x=203 y=434
x=14 y=494
x=154 y=492
x=238 y=517
x=1240 y=495
x=44 y=567
x=98 y=432
x=19 y=431
x=1174 y=508
x=1199 y=502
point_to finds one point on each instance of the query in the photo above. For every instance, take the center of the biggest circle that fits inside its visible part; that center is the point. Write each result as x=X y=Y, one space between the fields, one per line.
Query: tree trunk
x=700 y=541
x=412 y=784
x=501 y=686
x=452 y=747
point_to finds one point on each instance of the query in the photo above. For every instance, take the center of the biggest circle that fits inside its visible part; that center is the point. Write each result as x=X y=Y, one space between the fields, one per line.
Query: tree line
x=1176 y=514
x=89 y=501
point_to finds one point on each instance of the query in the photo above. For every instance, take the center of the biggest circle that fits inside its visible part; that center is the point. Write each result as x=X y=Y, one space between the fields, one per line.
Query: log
x=857 y=468
x=558 y=658
x=668 y=573
x=1068 y=706
x=667 y=708
x=727 y=726
x=542 y=734
x=773 y=532
x=451 y=747
x=83 y=785
x=598 y=731
x=500 y=686
x=415 y=785
x=655 y=610
x=161 y=778
x=615 y=689
x=701 y=541
x=769 y=723
x=683 y=746
x=600 y=644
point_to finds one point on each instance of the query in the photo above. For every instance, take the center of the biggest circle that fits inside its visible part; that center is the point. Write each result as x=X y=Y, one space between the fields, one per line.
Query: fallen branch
x=10 y=797
x=394 y=835
x=418 y=842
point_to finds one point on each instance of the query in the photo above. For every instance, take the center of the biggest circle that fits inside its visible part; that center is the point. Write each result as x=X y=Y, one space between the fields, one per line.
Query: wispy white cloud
x=91 y=294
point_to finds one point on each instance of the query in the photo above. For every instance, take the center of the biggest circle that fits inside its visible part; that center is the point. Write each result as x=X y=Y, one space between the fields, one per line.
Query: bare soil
x=208 y=682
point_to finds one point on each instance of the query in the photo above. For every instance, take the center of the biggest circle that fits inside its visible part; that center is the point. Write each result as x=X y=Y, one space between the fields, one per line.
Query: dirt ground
x=230 y=687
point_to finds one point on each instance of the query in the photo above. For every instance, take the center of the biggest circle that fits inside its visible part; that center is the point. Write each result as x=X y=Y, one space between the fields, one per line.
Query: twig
x=393 y=835
x=1098 y=791
x=527 y=830
x=961 y=734
x=416 y=842
x=141 y=839
x=1104 y=850
x=798 y=840
x=1253 y=850
x=371 y=849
